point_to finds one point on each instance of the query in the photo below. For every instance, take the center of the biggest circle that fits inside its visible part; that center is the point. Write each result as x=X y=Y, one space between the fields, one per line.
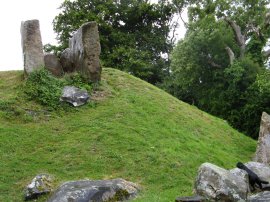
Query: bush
x=42 y=87
x=46 y=90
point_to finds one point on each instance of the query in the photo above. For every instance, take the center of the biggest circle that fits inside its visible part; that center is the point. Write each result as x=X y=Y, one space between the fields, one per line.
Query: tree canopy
x=134 y=34
x=221 y=63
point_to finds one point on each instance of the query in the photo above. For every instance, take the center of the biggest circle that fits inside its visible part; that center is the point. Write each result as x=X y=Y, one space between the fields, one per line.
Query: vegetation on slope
x=130 y=129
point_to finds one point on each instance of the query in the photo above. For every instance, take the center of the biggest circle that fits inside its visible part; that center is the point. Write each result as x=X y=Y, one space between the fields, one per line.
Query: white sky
x=12 y=12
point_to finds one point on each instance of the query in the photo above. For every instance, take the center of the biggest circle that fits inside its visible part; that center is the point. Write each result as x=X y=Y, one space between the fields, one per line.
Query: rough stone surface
x=66 y=61
x=217 y=184
x=242 y=174
x=85 y=50
x=53 y=64
x=262 y=154
x=40 y=185
x=190 y=199
x=260 y=197
x=31 y=46
x=74 y=96
x=262 y=170
x=96 y=191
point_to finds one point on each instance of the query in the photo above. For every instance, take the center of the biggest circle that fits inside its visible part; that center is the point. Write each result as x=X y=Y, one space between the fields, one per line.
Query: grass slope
x=134 y=131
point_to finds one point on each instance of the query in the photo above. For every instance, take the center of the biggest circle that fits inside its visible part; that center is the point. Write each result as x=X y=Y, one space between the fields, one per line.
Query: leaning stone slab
x=260 y=197
x=217 y=184
x=40 y=185
x=96 y=191
x=262 y=154
x=66 y=61
x=31 y=46
x=74 y=96
x=52 y=63
x=85 y=50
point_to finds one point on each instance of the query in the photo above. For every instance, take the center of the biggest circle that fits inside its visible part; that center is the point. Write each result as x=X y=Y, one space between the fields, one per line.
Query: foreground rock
x=40 y=185
x=263 y=148
x=98 y=191
x=262 y=170
x=260 y=197
x=31 y=46
x=53 y=64
x=84 y=50
x=74 y=96
x=217 y=184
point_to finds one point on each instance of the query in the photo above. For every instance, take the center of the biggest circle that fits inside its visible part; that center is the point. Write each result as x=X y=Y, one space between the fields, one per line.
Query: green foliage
x=77 y=80
x=136 y=132
x=46 y=89
x=42 y=87
x=212 y=71
x=133 y=34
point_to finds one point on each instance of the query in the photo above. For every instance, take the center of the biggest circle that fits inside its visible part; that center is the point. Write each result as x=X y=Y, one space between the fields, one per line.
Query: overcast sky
x=12 y=12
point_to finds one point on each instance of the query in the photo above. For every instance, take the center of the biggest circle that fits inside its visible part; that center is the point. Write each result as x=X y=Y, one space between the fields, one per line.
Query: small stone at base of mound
x=98 y=191
x=40 y=185
x=190 y=199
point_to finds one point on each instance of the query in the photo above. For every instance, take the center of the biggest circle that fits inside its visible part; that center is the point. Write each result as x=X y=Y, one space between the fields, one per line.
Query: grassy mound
x=131 y=130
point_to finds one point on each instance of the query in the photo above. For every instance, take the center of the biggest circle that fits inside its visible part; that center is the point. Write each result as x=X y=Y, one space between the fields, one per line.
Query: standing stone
x=53 y=64
x=85 y=50
x=263 y=147
x=31 y=46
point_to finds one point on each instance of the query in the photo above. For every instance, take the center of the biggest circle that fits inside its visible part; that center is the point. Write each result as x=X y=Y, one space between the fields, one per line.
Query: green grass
x=131 y=130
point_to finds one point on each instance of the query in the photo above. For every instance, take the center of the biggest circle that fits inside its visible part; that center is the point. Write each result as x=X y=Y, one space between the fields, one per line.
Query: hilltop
x=131 y=130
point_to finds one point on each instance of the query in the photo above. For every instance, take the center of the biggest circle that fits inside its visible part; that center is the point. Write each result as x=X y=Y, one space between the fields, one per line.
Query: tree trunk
x=240 y=38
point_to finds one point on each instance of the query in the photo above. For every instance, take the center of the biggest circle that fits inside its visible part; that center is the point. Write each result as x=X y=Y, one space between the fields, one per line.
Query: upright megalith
x=33 y=57
x=263 y=147
x=85 y=49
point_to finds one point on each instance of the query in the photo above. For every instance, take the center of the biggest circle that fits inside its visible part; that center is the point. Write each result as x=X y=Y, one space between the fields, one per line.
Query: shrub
x=42 y=87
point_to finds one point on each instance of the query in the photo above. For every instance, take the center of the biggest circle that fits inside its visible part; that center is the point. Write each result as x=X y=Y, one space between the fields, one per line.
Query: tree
x=134 y=34
x=218 y=62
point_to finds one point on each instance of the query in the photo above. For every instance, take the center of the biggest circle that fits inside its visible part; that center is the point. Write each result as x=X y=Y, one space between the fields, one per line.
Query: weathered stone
x=217 y=184
x=66 y=61
x=74 y=96
x=53 y=64
x=40 y=185
x=32 y=46
x=190 y=199
x=98 y=191
x=85 y=50
x=242 y=174
x=260 y=197
x=260 y=169
x=262 y=154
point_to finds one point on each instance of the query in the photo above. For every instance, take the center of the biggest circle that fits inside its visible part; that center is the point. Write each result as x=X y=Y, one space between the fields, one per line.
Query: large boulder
x=74 y=96
x=98 y=191
x=31 y=46
x=218 y=184
x=85 y=50
x=53 y=64
x=260 y=197
x=40 y=185
x=262 y=154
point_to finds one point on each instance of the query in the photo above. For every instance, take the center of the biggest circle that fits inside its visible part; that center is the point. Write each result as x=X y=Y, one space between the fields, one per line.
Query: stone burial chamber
x=81 y=56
